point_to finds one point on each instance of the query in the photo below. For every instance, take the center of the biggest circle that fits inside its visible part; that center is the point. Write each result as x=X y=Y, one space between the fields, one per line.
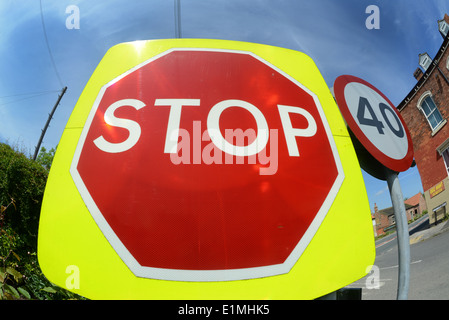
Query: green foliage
x=23 y=180
x=45 y=158
x=20 y=275
x=10 y=278
x=22 y=184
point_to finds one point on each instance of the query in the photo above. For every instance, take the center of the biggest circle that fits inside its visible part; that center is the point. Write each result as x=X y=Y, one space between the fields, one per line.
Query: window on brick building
x=431 y=112
x=445 y=155
x=392 y=219
x=424 y=61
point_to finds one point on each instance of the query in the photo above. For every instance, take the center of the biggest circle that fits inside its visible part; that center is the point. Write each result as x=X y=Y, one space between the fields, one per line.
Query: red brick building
x=426 y=110
x=417 y=204
x=384 y=220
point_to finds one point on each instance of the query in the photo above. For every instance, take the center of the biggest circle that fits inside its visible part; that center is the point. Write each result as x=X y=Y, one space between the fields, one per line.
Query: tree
x=45 y=158
x=22 y=180
x=22 y=184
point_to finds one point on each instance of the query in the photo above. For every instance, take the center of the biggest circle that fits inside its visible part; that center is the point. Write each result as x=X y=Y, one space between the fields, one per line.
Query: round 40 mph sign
x=203 y=169
x=375 y=122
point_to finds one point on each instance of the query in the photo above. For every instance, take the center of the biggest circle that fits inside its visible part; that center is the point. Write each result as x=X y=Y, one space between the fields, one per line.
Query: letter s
x=132 y=126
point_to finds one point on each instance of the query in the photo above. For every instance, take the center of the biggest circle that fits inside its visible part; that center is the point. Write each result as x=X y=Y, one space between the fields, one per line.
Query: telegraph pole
x=178 y=19
x=50 y=116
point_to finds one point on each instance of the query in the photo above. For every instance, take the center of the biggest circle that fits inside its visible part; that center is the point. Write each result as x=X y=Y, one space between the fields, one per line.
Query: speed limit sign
x=375 y=122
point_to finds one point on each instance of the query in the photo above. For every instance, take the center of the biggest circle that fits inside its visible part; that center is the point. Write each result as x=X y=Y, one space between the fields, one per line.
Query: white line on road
x=392 y=267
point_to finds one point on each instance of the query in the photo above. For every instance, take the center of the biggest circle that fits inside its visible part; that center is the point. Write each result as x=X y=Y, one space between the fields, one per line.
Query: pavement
x=429 y=232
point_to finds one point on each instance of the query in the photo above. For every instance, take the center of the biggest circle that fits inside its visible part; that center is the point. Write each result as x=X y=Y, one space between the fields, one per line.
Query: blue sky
x=332 y=32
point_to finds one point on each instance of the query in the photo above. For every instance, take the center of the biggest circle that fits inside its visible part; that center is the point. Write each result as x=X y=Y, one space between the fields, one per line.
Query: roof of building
x=414 y=201
x=389 y=211
x=426 y=75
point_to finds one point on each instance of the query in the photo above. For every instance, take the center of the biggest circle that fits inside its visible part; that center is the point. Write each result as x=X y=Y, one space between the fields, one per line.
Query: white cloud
x=381 y=191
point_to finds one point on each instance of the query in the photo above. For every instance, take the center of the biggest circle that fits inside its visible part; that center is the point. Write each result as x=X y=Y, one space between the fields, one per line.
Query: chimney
x=418 y=73
x=376 y=209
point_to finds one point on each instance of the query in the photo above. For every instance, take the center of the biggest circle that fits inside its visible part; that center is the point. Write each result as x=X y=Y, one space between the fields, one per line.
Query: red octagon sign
x=207 y=165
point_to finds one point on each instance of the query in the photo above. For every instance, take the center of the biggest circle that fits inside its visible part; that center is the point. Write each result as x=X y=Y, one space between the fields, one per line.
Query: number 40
x=364 y=105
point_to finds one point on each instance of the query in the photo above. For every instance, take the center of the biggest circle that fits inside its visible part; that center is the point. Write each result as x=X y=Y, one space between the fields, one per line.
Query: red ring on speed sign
x=375 y=122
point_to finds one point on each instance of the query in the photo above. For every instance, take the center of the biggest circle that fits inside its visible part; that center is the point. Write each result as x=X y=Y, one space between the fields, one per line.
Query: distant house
x=417 y=205
x=384 y=220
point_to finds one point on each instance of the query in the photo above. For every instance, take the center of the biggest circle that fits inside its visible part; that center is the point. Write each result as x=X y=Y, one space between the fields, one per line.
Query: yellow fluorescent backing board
x=205 y=169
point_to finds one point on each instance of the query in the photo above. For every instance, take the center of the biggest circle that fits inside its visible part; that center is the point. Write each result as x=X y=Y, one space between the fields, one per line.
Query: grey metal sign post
x=402 y=234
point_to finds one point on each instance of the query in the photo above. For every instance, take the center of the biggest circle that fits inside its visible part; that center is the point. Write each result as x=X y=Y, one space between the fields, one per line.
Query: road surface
x=429 y=267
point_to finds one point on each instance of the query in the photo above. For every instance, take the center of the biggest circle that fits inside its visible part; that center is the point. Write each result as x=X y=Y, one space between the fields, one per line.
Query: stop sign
x=203 y=161
x=207 y=165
